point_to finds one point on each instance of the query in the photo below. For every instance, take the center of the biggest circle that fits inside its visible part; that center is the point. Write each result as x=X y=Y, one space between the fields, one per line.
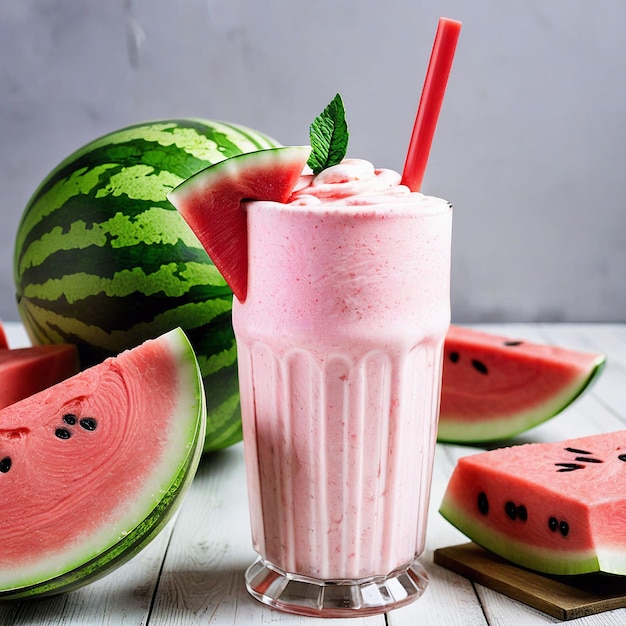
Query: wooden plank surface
x=193 y=572
x=565 y=597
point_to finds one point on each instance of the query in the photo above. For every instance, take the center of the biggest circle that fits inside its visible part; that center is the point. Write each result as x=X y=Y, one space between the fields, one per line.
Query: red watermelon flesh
x=558 y=508
x=210 y=201
x=4 y=344
x=92 y=468
x=25 y=371
x=495 y=387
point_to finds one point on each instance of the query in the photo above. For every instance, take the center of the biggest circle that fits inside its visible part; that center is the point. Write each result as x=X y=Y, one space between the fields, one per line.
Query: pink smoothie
x=339 y=347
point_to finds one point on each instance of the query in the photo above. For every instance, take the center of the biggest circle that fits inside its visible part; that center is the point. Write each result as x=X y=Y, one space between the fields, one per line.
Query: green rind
x=155 y=520
x=201 y=309
x=460 y=431
x=522 y=553
x=106 y=197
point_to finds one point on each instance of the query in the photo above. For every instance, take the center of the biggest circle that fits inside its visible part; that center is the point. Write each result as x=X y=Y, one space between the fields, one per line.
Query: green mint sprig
x=329 y=136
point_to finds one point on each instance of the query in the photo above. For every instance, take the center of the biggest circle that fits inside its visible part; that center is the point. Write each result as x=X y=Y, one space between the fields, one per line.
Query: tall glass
x=340 y=356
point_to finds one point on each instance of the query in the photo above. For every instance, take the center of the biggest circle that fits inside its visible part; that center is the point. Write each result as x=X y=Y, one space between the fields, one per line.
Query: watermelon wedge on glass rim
x=210 y=201
x=92 y=468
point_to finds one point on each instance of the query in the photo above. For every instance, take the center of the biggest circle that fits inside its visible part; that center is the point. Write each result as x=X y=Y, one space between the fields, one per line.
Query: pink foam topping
x=353 y=182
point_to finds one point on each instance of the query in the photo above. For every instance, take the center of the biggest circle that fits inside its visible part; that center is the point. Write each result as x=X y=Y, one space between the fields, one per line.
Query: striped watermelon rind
x=104 y=261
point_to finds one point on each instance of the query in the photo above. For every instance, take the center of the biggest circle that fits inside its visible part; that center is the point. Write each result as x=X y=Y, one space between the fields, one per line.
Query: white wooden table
x=192 y=573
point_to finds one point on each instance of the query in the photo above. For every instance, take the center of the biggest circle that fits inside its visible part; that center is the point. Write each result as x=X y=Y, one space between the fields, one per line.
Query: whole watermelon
x=104 y=261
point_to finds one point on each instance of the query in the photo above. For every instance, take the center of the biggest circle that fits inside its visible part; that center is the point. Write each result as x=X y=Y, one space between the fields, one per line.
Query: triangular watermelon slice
x=552 y=507
x=495 y=387
x=92 y=468
x=210 y=202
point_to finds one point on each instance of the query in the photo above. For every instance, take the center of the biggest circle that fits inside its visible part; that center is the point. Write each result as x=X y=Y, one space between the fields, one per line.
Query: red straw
x=433 y=91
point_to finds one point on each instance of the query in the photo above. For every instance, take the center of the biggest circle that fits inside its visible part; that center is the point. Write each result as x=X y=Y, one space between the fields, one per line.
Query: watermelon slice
x=552 y=507
x=25 y=371
x=210 y=202
x=496 y=387
x=93 y=467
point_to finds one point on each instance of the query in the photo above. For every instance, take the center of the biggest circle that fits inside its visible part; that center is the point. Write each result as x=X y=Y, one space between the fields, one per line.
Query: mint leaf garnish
x=329 y=136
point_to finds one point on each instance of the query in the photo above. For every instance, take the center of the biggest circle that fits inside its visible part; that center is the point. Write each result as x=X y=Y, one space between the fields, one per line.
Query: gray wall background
x=530 y=146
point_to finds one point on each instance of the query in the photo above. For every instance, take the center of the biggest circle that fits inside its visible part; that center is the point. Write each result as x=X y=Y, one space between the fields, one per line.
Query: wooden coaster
x=563 y=597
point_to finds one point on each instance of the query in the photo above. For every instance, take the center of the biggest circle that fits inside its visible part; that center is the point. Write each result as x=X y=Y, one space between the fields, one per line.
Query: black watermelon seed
x=577 y=451
x=62 y=433
x=70 y=419
x=622 y=457
x=483 y=503
x=588 y=459
x=564 y=528
x=513 y=343
x=5 y=464
x=553 y=524
x=454 y=356
x=479 y=366
x=522 y=513
x=88 y=423
x=569 y=467
x=511 y=510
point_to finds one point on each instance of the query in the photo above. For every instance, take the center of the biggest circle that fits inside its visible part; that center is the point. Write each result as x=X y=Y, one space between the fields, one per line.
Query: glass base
x=344 y=598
